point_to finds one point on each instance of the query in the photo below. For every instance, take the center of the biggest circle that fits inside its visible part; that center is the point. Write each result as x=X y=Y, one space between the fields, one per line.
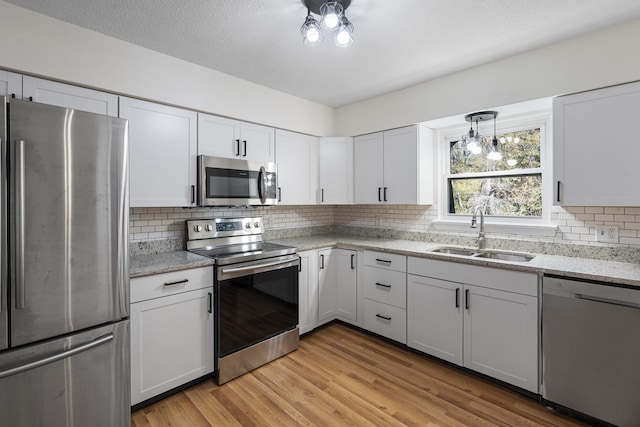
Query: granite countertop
x=582 y=268
x=146 y=265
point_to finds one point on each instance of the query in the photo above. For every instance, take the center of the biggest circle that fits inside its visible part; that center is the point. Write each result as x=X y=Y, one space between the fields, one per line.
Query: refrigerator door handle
x=19 y=226
x=54 y=358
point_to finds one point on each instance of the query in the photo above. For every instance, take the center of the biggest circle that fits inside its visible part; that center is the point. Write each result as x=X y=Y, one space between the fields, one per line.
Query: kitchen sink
x=477 y=253
x=504 y=256
x=455 y=251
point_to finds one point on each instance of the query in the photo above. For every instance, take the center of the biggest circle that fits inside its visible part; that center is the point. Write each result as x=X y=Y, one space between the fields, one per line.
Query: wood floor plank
x=340 y=376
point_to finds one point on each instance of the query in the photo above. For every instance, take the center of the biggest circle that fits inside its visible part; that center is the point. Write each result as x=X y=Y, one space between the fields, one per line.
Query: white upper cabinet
x=336 y=171
x=596 y=147
x=10 y=84
x=395 y=166
x=222 y=137
x=69 y=96
x=297 y=159
x=162 y=147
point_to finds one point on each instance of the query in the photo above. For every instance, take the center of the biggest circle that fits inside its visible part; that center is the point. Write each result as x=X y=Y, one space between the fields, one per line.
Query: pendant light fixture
x=332 y=19
x=473 y=143
x=494 y=154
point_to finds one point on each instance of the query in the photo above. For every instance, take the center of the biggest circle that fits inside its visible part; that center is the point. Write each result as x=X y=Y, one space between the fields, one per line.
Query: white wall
x=35 y=44
x=598 y=59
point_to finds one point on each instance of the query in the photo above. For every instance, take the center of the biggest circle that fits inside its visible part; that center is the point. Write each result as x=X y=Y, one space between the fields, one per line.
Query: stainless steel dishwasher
x=591 y=348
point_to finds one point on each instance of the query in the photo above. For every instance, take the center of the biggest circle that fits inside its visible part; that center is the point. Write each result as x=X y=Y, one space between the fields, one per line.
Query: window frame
x=507 y=224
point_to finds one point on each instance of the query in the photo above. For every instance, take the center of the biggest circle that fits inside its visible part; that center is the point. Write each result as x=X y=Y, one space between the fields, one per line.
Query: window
x=513 y=190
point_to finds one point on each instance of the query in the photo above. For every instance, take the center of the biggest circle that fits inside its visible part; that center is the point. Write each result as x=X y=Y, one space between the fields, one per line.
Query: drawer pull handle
x=176 y=283
x=386 y=261
x=383 y=285
x=380 y=316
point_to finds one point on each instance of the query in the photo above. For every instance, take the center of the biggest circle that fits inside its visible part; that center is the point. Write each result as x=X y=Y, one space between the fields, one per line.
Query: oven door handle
x=257 y=267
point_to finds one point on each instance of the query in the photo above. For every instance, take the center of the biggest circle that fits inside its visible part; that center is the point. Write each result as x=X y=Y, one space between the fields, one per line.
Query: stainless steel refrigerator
x=64 y=294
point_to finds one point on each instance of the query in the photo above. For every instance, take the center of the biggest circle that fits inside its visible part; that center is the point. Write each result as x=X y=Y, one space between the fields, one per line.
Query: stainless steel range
x=256 y=293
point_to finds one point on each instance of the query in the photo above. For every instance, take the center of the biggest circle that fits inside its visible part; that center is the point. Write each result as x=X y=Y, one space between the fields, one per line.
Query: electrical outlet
x=607 y=233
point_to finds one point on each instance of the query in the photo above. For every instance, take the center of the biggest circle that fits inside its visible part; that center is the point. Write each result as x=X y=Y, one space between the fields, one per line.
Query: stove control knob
x=197 y=228
x=247 y=225
x=208 y=227
x=256 y=224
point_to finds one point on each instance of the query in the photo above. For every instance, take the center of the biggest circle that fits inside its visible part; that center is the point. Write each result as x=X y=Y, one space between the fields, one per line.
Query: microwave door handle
x=261 y=185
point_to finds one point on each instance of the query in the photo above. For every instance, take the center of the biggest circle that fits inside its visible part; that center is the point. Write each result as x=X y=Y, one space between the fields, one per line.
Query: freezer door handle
x=19 y=226
x=59 y=356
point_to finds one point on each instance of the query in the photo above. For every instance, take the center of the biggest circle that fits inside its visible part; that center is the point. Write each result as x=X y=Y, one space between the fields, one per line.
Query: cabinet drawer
x=385 y=320
x=159 y=285
x=388 y=287
x=385 y=260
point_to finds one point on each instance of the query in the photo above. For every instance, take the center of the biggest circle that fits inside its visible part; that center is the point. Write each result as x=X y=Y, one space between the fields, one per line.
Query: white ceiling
x=397 y=43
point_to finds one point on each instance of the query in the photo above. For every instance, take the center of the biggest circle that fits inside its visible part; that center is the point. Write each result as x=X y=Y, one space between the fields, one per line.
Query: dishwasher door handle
x=607 y=301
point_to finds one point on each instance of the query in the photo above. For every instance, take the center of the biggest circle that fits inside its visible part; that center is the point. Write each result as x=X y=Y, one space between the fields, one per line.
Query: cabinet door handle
x=385 y=194
x=179 y=282
x=382 y=285
x=210 y=302
x=353 y=257
x=244 y=143
x=379 y=194
x=299 y=264
x=467 y=303
x=321 y=262
x=237 y=147
x=322 y=195
x=386 y=261
x=457 y=297
x=558 y=192
x=279 y=194
x=380 y=316
x=193 y=194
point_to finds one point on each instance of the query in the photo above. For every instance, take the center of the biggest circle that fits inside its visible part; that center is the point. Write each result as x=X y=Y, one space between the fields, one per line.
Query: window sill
x=546 y=230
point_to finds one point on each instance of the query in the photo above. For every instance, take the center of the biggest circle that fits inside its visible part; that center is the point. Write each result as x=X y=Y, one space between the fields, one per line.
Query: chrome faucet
x=481 y=240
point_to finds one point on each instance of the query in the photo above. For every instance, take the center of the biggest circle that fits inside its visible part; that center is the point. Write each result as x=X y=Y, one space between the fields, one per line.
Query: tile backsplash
x=575 y=236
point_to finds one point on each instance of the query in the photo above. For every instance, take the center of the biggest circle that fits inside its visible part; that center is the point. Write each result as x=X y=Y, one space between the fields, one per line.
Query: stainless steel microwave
x=234 y=182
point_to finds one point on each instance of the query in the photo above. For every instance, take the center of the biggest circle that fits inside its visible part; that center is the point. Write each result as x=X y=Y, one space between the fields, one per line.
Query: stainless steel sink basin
x=477 y=253
x=455 y=251
x=503 y=256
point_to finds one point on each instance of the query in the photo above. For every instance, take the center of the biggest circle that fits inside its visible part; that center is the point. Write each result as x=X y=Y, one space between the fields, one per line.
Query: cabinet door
x=162 y=147
x=171 y=342
x=327 y=285
x=401 y=166
x=346 y=297
x=434 y=317
x=368 y=168
x=500 y=335
x=10 y=84
x=218 y=136
x=336 y=171
x=595 y=155
x=297 y=160
x=308 y=291
x=257 y=142
x=69 y=96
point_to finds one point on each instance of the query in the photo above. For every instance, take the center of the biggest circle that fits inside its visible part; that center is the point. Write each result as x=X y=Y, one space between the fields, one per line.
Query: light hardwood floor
x=339 y=377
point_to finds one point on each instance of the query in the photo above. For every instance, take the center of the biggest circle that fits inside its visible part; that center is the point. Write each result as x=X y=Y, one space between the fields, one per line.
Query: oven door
x=255 y=301
x=233 y=182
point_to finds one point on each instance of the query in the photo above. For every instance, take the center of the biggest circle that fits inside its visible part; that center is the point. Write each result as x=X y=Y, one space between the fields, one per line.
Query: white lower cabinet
x=337 y=285
x=385 y=295
x=307 y=291
x=485 y=319
x=171 y=331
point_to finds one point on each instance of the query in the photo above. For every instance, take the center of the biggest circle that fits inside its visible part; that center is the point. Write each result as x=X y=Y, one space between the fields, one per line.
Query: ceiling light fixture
x=473 y=143
x=332 y=18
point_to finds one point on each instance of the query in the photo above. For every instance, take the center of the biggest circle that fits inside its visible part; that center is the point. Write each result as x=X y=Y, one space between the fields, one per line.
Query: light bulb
x=310 y=30
x=313 y=35
x=494 y=155
x=331 y=21
x=331 y=12
x=473 y=147
x=343 y=37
